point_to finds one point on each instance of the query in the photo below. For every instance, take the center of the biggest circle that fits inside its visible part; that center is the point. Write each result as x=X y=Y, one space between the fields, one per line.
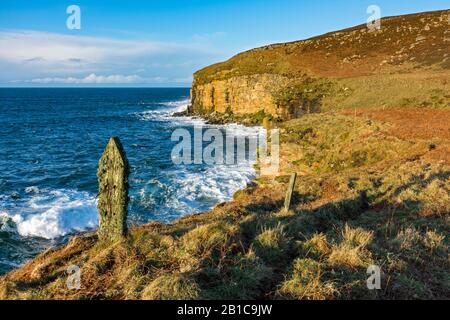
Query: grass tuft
x=305 y=282
x=172 y=287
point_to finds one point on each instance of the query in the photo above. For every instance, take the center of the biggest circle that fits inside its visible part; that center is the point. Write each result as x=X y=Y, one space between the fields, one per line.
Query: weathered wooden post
x=112 y=176
x=266 y=123
x=290 y=192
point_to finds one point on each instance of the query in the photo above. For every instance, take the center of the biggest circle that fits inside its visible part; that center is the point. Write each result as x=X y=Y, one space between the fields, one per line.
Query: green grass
x=330 y=143
x=303 y=95
x=419 y=88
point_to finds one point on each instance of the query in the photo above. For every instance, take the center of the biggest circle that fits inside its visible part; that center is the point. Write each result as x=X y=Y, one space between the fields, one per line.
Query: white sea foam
x=215 y=183
x=190 y=191
x=55 y=214
x=32 y=189
x=6 y=223
x=178 y=105
x=165 y=114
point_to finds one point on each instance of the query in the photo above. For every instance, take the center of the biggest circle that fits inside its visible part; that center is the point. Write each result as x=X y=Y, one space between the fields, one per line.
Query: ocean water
x=50 y=143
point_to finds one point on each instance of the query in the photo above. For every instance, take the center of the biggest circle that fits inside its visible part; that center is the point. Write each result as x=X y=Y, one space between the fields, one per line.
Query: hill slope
x=408 y=56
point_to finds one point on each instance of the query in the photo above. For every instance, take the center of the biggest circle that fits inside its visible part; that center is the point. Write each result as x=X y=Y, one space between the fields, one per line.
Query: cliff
x=272 y=79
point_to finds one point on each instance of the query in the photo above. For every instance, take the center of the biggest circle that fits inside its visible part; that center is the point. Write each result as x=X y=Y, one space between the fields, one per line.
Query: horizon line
x=93 y=87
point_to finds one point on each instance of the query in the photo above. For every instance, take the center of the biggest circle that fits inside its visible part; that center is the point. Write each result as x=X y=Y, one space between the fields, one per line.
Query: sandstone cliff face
x=239 y=95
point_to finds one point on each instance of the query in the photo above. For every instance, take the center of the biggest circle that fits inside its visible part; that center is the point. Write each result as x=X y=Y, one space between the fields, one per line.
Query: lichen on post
x=112 y=176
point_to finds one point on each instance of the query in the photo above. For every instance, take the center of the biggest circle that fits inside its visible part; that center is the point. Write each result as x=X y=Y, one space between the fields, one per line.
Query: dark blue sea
x=51 y=140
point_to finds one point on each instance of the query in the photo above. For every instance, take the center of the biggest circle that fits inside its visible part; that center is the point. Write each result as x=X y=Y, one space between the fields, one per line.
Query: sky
x=159 y=43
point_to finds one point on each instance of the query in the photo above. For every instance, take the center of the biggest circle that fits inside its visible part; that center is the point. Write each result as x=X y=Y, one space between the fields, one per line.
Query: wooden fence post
x=290 y=192
x=112 y=173
x=267 y=123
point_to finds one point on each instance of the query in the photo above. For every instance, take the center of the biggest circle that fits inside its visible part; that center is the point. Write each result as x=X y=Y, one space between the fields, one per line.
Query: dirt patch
x=441 y=153
x=431 y=125
x=411 y=123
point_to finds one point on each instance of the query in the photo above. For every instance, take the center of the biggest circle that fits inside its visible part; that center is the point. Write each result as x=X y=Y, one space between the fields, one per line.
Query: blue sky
x=160 y=43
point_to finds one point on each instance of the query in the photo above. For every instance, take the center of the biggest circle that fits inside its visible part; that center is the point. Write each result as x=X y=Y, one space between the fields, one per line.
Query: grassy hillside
x=419 y=40
x=404 y=64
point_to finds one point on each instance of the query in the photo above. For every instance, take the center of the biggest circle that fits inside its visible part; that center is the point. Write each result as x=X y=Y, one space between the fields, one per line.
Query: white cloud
x=36 y=57
x=90 y=79
x=100 y=79
x=20 y=46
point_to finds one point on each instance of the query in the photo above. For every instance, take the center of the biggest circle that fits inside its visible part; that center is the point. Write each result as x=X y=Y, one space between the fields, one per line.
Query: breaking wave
x=51 y=214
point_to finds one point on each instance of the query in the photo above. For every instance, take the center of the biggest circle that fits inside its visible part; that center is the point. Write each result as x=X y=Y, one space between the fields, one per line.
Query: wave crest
x=55 y=214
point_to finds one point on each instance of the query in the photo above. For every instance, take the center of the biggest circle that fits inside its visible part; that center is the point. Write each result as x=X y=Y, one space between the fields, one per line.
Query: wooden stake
x=290 y=192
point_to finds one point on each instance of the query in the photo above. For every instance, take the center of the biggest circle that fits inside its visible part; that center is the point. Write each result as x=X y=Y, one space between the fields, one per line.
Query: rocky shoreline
x=217 y=118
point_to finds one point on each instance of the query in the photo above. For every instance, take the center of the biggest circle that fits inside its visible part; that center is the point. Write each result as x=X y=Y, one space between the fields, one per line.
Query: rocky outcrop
x=239 y=95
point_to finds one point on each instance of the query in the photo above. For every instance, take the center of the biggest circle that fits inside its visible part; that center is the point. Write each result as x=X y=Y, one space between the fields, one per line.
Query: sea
x=51 y=140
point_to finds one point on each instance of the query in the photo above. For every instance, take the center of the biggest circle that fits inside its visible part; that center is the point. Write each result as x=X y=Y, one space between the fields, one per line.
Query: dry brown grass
x=305 y=283
x=347 y=53
x=351 y=251
x=171 y=287
x=411 y=123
